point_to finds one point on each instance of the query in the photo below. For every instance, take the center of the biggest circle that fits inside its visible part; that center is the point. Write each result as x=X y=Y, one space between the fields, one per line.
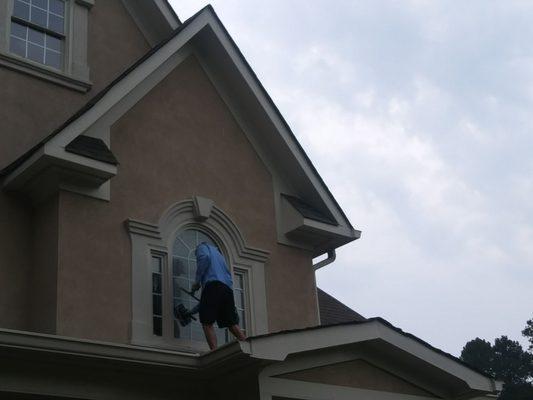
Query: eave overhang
x=374 y=337
x=52 y=168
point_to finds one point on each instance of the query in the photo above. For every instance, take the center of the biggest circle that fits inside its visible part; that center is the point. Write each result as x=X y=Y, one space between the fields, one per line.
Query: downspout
x=331 y=257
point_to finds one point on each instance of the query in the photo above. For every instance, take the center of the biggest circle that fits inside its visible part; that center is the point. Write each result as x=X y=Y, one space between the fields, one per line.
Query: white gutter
x=332 y=255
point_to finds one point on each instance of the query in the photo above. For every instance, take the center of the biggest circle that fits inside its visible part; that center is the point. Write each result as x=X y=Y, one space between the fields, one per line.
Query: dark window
x=157 y=294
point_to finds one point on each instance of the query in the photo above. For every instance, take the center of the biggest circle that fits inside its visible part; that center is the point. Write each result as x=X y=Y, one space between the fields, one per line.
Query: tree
x=528 y=332
x=506 y=361
x=479 y=354
x=511 y=363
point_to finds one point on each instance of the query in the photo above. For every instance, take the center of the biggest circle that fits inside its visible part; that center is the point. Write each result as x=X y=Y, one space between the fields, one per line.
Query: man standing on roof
x=217 y=302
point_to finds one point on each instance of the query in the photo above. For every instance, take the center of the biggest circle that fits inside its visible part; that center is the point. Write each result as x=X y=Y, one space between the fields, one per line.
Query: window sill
x=42 y=72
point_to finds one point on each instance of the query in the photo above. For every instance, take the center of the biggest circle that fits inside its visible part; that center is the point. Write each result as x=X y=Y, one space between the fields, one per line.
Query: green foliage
x=479 y=354
x=506 y=361
x=528 y=332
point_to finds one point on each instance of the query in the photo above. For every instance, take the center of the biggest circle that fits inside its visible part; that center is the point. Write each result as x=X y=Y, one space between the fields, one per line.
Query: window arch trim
x=148 y=239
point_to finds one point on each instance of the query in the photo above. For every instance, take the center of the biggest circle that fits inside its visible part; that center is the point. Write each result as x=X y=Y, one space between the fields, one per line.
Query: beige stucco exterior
x=357 y=374
x=31 y=109
x=179 y=141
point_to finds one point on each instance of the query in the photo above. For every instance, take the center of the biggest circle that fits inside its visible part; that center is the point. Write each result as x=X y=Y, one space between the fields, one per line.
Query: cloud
x=418 y=116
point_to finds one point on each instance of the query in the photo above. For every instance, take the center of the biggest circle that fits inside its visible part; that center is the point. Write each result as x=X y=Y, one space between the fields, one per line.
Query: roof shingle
x=332 y=311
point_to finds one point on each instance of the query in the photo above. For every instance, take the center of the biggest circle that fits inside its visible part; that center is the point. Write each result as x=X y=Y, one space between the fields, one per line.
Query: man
x=217 y=303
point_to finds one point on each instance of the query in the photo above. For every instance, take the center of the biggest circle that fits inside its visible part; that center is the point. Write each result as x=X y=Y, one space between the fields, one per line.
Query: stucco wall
x=180 y=140
x=15 y=262
x=30 y=109
x=357 y=374
x=43 y=271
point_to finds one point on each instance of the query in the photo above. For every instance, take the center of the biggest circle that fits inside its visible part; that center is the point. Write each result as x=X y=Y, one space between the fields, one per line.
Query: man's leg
x=210 y=336
x=236 y=331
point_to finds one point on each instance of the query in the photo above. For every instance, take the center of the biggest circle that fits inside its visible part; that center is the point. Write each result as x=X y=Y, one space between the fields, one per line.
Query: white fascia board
x=170 y=17
x=279 y=346
x=474 y=379
x=128 y=83
x=287 y=137
x=24 y=171
x=340 y=230
x=54 y=344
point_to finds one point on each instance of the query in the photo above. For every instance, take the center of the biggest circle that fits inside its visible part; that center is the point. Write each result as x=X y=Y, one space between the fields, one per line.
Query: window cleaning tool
x=181 y=313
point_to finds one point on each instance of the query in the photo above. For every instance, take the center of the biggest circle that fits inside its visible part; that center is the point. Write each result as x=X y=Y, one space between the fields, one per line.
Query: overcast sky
x=419 y=117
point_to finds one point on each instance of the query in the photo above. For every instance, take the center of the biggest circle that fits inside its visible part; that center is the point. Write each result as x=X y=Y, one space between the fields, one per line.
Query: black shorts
x=217 y=304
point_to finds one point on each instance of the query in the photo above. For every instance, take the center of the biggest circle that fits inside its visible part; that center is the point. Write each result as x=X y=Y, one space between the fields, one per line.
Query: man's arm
x=202 y=263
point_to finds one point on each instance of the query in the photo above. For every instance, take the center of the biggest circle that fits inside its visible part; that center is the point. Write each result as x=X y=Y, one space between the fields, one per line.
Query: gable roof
x=332 y=311
x=90 y=104
x=206 y=34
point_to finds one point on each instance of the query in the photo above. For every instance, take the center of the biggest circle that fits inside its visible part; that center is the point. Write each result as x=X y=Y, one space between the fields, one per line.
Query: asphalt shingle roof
x=332 y=311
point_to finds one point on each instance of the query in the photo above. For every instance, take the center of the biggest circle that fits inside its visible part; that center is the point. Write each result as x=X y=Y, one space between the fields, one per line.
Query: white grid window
x=37 y=31
x=240 y=294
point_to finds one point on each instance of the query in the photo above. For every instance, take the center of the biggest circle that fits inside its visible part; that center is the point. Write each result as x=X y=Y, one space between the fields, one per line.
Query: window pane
x=57 y=7
x=53 y=59
x=158 y=326
x=192 y=269
x=55 y=23
x=40 y=3
x=157 y=304
x=156 y=264
x=221 y=335
x=21 y=10
x=237 y=284
x=53 y=43
x=197 y=332
x=182 y=332
x=239 y=300
x=180 y=249
x=38 y=16
x=189 y=237
x=180 y=283
x=177 y=301
x=18 y=30
x=17 y=46
x=178 y=267
x=36 y=37
x=36 y=53
x=156 y=283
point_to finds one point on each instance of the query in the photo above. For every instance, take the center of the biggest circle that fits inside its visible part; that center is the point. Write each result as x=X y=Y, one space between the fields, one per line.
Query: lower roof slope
x=332 y=311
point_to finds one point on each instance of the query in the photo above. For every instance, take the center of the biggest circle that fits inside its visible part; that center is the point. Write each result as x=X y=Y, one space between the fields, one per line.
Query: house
x=127 y=137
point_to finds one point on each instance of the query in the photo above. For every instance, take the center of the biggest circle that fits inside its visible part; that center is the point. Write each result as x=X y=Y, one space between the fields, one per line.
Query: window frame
x=74 y=71
x=148 y=239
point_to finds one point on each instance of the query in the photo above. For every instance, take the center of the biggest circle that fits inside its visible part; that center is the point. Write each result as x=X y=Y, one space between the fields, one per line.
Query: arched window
x=161 y=281
x=184 y=276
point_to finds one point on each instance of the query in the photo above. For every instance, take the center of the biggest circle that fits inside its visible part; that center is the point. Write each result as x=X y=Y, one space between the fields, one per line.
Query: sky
x=418 y=116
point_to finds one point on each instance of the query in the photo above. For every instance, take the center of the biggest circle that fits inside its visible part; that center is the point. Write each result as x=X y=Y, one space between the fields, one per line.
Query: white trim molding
x=148 y=239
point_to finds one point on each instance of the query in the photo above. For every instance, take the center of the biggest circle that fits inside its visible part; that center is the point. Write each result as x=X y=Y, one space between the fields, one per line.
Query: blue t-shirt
x=211 y=266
